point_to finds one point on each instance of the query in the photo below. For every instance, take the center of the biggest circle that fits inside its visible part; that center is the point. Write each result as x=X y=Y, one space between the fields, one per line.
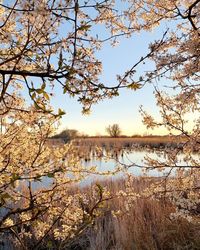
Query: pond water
x=132 y=161
x=124 y=159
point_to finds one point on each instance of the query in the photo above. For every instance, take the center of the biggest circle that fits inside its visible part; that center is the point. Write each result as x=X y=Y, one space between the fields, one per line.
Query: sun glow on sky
x=124 y=109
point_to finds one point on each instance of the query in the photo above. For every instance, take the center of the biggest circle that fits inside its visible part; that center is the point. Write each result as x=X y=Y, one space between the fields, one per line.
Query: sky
x=124 y=109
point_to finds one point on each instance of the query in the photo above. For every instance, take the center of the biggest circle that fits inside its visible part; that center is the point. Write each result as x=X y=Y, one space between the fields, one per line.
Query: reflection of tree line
x=89 y=149
x=115 y=145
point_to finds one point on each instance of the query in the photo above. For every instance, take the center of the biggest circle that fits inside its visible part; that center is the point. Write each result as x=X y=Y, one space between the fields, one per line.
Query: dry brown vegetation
x=87 y=146
x=121 y=142
x=145 y=226
x=116 y=146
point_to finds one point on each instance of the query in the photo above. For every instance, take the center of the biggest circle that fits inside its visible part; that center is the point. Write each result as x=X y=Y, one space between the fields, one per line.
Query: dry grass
x=117 y=146
x=129 y=142
x=156 y=141
x=146 y=226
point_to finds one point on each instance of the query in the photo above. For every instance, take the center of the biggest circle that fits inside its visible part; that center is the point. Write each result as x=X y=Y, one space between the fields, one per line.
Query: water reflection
x=131 y=161
x=134 y=158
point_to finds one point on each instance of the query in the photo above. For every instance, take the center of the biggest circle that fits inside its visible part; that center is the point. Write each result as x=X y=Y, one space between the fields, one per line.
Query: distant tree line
x=67 y=135
x=113 y=130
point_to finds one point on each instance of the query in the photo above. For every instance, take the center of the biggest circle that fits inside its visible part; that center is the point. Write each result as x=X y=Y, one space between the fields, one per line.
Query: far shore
x=151 y=141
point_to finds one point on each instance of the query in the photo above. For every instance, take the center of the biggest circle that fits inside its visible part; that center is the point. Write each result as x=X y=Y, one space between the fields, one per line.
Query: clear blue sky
x=123 y=109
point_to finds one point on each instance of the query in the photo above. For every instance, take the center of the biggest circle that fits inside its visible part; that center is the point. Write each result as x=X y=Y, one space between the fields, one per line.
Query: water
x=134 y=162
x=130 y=161
x=123 y=159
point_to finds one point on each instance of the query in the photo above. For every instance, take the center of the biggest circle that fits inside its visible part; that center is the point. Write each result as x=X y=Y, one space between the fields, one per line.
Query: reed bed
x=159 y=142
x=88 y=148
x=147 y=225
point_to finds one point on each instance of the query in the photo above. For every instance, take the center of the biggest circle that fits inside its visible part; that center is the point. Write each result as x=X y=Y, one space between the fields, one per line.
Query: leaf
x=39 y=91
x=31 y=90
x=76 y=7
x=134 y=86
x=46 y=96
x=141 y=78
x=60 y=61
x=50 y=175
x=85 y=27
x=36 y=105
x=33 y=95
x=85 y=111
x=115 y=93
x=61 y=112
x=101 y=86
x=65 y=88
x=15 y=176
x=5 y=196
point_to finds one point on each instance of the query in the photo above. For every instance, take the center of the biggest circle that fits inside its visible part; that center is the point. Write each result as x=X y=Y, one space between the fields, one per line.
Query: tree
x=177 y=63
x=36 y=55
x=113 y=130
x=37 y=201
x=67 y=135
x=32 y=45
